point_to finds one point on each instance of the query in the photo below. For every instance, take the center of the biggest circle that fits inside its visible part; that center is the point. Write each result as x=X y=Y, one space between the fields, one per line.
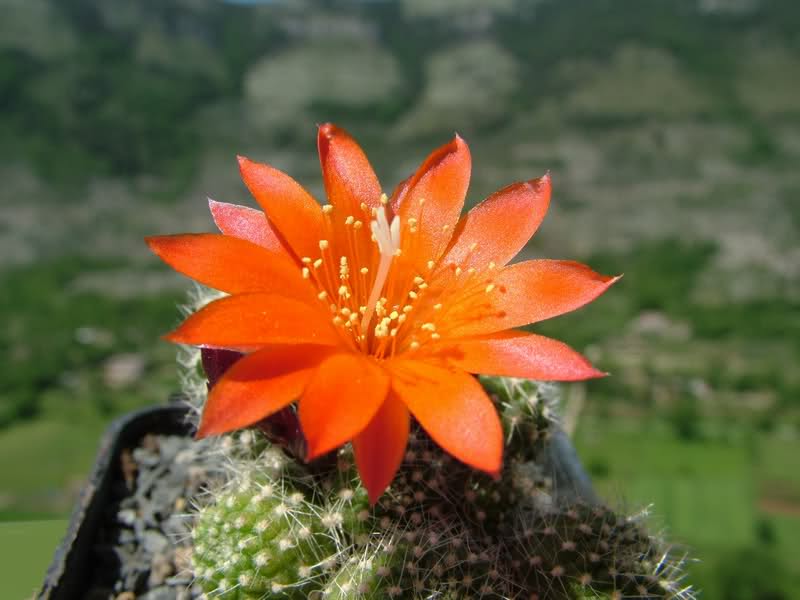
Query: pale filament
x=388 y=238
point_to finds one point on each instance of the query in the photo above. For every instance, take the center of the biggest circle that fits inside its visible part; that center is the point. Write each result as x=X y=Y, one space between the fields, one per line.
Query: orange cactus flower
x=370 y=310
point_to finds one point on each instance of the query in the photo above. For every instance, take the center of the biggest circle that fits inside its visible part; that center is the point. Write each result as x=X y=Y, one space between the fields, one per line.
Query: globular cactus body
x=441 y=531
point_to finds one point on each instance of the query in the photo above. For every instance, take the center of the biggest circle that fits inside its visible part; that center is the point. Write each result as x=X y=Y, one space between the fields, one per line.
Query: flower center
x=372 y=296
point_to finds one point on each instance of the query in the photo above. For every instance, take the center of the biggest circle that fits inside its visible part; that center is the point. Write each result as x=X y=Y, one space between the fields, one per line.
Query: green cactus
x=443 y=530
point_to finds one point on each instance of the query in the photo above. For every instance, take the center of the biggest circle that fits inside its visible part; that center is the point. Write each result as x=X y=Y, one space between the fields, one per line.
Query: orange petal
x=454 y=409
x=348 y=176
x=230 y=264
x=253 y=320
x=245 y=223
x=380 y=447
x=342 y=398
x=498 y=228
x=516 y=354
x=525 y=293
x=289 y=207
x=258 y=385
x=441 y=181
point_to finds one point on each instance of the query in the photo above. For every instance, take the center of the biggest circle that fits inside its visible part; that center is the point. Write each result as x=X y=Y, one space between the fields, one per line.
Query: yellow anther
x=435 y=336
x=353 y=317
x=428 y=327
x=322 y=295
x=401 y=319
x=382 y=328
x=431 y=264
x=362 y=309
x=393 y=332
x=349 y=220
x=357 y=225
x=384 y=199
x=421 y=201
x=323 y=244
x=412 y=222
x=418 y=280
x=412 y=294
x=489 y=288
x=394 y=314
x=492 y=265
x=423 y=286
x=437 y=306
x=343 y=291
x=364 y=270
x=306 y=260
x=344 y=270
x=458 y=271
x=318 y=263
x=364 y=206
x=408 y=308
x=327 y=209
x=445 y=227
x=337 y=320
x=398 y=252
x=414 y=345
x=306 y=273
x=345 y=311
x=472 y=246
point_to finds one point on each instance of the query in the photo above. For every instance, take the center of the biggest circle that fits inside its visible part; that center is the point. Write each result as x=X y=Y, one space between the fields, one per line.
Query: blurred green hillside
x=672 y=132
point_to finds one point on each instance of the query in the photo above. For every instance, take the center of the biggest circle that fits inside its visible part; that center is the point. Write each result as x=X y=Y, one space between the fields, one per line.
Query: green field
x=713 y=497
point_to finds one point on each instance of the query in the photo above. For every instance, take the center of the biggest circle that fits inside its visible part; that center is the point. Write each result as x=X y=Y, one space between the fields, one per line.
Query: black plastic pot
x=69 y=575
x=71 y=572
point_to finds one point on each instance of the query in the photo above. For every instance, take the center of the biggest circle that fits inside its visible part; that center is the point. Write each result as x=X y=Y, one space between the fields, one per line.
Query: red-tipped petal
x=258 y=385
x=380 y=447
x=528 y=292
x=441 y=181
x=454 y=409
x=342 y=398
x=230 y=264
x=289 y=207
x=498 y=228
x=348 y=176
x=516 y=354
x=245 y=223
x=253 y=320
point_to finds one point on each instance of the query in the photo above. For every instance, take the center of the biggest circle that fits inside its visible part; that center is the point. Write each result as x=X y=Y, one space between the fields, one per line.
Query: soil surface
x=143 y=549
